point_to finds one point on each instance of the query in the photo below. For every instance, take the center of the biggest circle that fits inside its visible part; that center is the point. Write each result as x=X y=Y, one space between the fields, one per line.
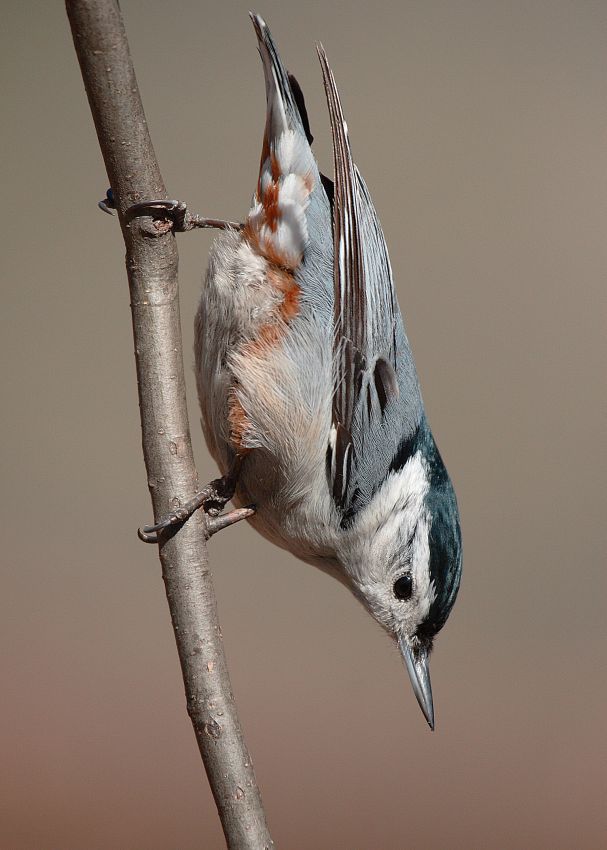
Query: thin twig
x=151 y=259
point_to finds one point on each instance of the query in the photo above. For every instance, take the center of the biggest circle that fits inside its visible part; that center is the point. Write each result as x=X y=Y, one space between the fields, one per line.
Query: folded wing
x=369 y=416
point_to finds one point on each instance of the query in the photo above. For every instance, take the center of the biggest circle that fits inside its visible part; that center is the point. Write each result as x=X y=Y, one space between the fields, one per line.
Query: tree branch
x=151 y=260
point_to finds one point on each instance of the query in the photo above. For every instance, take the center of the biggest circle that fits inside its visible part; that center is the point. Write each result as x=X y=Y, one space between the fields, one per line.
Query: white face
x=390 y=542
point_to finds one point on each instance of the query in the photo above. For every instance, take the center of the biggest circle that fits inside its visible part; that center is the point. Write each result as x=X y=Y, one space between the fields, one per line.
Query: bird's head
x=403 y=558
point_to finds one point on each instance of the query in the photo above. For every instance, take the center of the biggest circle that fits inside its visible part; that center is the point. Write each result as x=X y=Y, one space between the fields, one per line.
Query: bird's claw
x=216 y=523
x=176 y=212
x=213 y=498
x=107 y=204
x=176 y=517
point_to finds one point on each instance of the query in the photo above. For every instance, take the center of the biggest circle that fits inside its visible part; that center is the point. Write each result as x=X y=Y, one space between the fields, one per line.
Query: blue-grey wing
x=376 y=398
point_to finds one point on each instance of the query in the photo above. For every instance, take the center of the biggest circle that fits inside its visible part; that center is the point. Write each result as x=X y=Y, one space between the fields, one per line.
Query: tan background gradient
x=481 y=129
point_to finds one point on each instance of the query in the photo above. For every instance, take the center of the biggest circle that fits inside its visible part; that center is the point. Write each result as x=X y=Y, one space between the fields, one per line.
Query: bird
x=308 y=387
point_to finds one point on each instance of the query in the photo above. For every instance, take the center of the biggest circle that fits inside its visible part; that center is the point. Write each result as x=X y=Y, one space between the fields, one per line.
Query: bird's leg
x=176 y=212
x=213 y=499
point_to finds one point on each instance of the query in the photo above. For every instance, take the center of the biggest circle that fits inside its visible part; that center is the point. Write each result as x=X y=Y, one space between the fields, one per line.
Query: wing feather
x=365 y=311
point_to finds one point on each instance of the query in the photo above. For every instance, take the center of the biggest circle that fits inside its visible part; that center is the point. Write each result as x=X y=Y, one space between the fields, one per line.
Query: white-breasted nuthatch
x=307 y=383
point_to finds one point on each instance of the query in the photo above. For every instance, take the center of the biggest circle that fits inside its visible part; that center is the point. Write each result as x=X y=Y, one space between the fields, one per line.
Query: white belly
x=264 y=386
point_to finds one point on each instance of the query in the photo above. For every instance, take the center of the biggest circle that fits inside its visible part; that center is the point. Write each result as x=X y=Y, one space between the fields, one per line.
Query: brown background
x=481 y=129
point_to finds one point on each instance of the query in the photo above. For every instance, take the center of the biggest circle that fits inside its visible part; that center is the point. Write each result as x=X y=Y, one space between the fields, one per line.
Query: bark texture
x=151 y=261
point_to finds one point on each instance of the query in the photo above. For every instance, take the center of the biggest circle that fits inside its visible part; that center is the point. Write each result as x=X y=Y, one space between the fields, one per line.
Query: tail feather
x=276 y=224
x=282 y=111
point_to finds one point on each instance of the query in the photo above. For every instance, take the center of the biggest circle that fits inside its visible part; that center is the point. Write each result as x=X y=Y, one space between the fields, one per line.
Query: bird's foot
x=175 y=212
x=213 y=498
x=178 y=214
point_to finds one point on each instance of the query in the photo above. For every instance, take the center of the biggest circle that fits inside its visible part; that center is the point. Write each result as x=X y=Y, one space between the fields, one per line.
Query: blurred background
x=481 y=129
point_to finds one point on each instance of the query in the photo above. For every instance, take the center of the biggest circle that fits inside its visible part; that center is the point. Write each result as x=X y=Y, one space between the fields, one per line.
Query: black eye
x=403 y=587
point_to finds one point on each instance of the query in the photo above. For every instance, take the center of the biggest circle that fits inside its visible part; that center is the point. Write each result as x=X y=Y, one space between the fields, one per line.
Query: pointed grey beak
x=416 y=661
